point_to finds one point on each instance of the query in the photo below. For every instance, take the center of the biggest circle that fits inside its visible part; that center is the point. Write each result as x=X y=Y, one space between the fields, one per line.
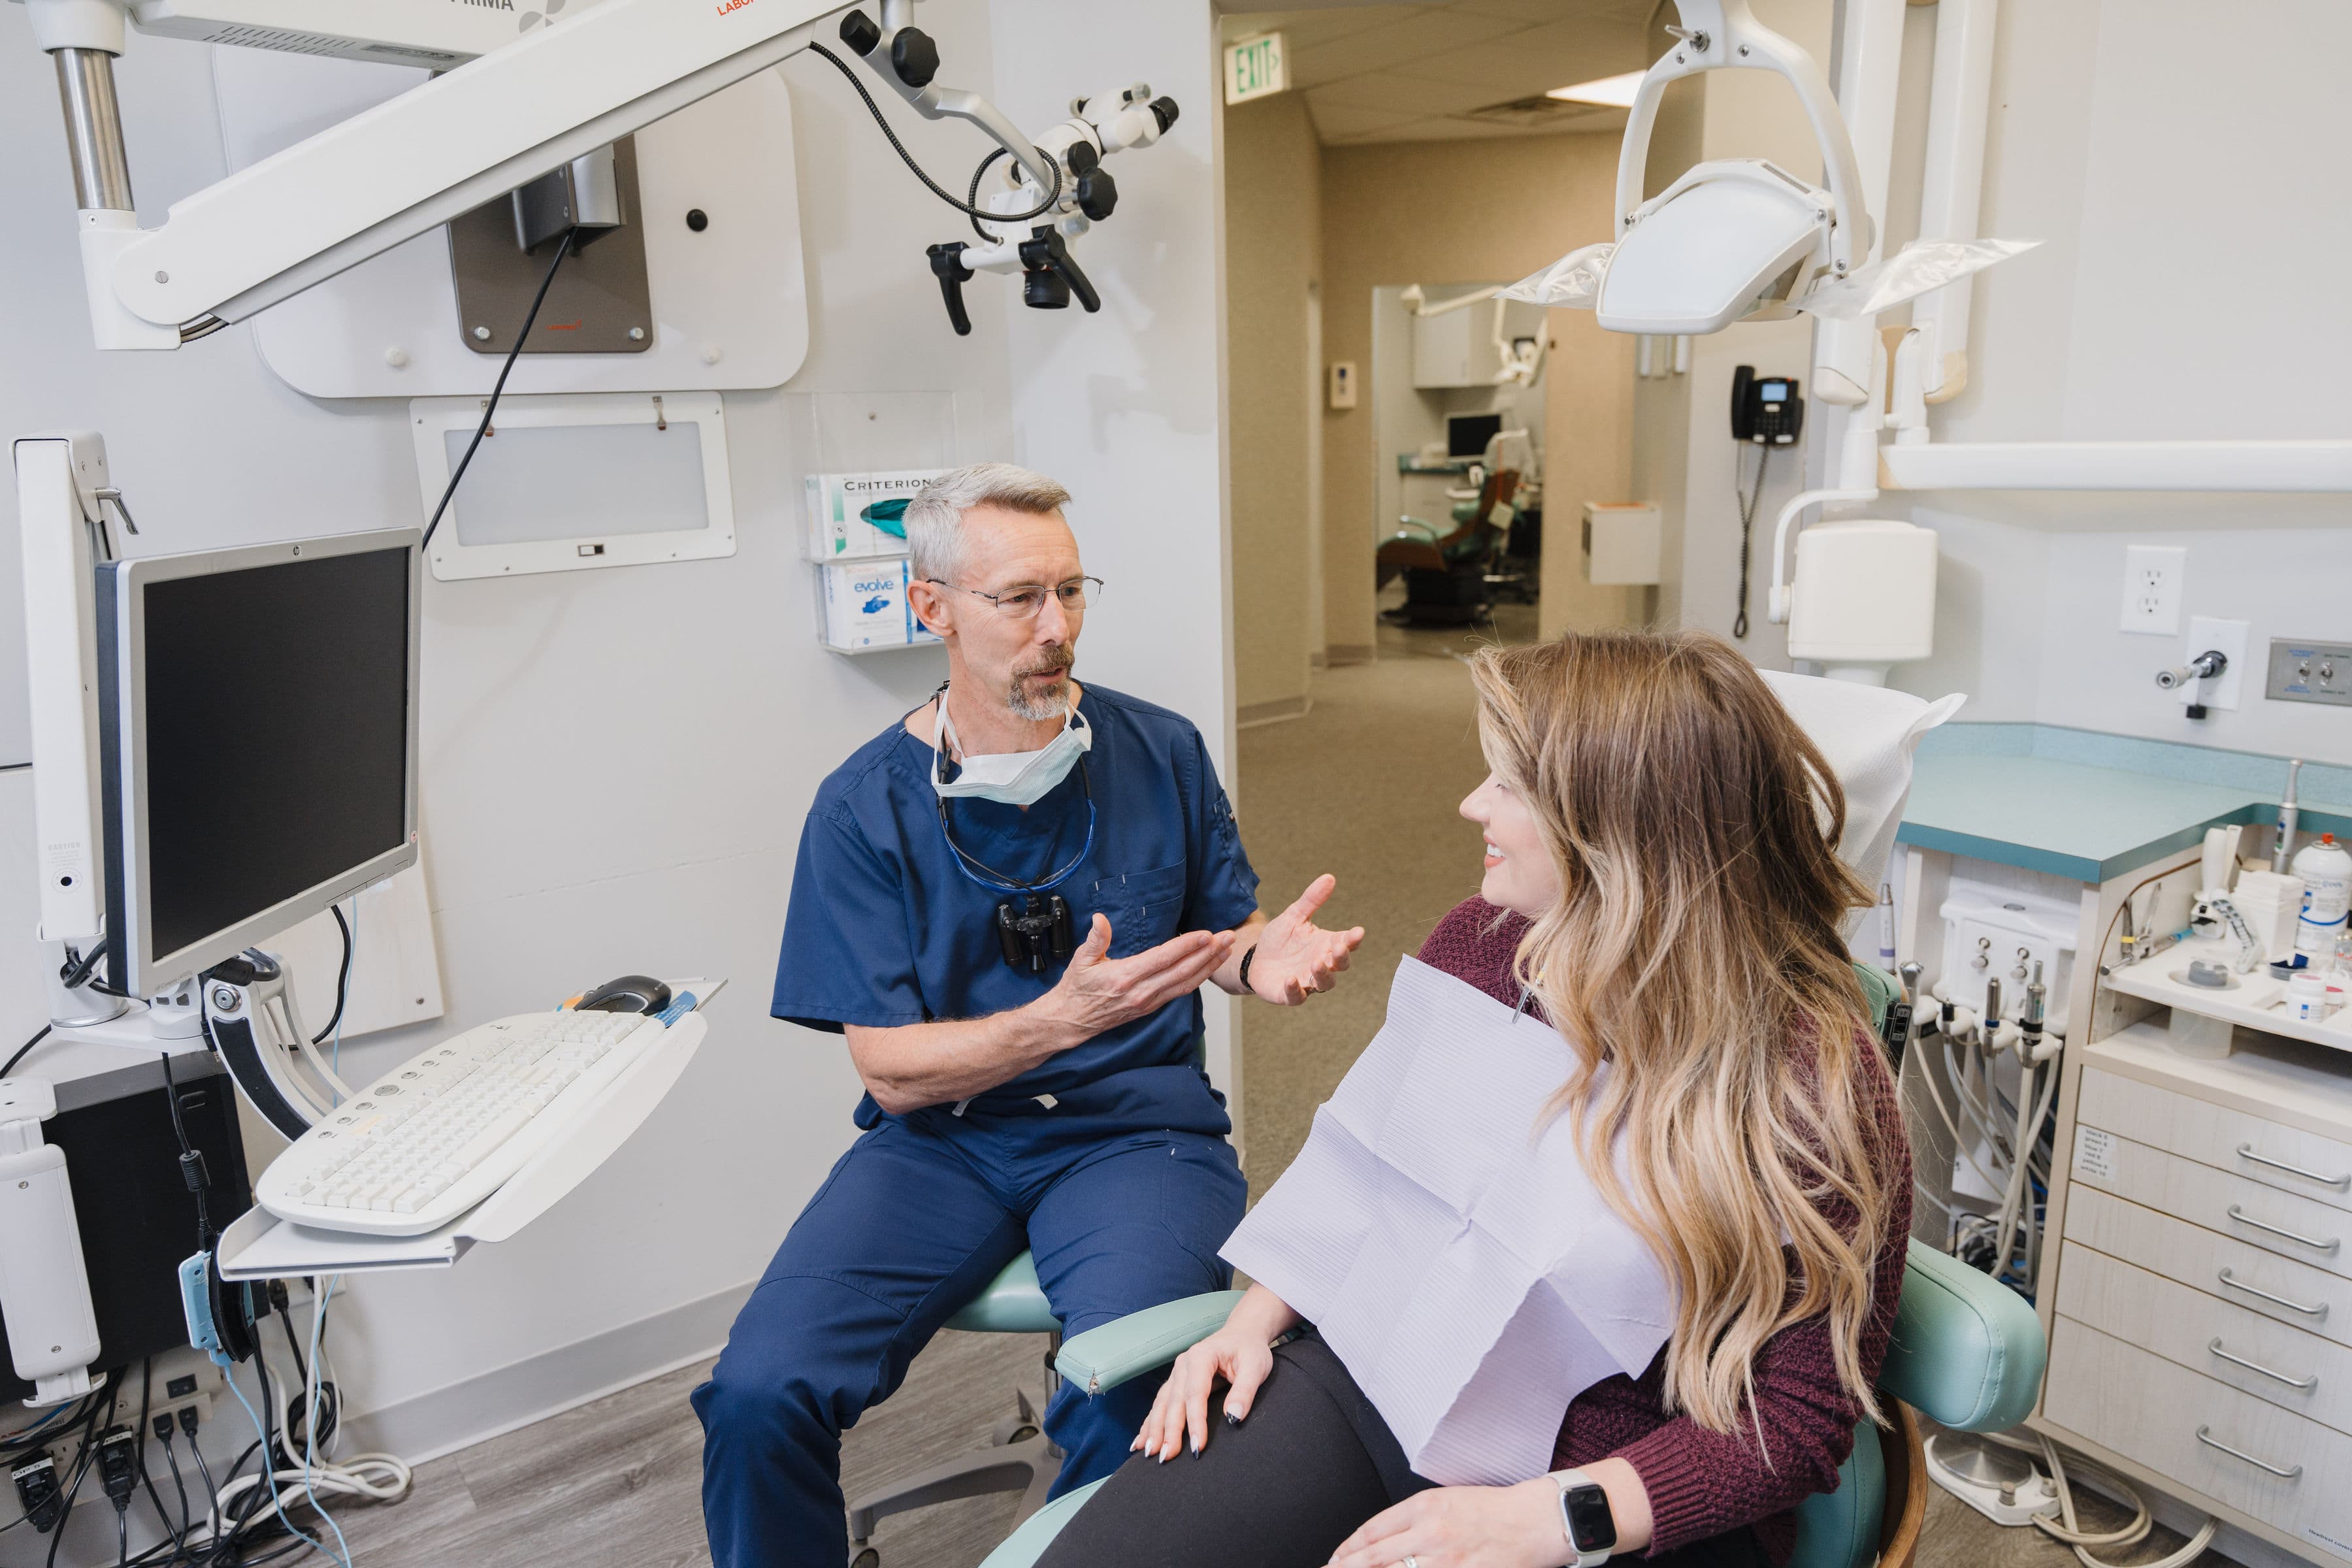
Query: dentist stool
x=1020 y=1458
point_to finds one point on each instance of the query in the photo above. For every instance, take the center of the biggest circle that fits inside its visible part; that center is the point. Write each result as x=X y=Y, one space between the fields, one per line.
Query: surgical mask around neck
x=1015 y=778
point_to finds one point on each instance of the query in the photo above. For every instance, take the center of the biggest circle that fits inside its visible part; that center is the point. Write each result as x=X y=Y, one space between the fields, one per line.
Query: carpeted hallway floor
x=1364 y=787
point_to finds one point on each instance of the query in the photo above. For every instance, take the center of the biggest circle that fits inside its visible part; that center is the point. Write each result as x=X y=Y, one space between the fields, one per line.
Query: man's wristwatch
x=1585 y=1519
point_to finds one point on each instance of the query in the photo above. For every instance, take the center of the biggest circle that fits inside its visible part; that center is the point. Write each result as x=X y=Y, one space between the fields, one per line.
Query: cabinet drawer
x=2277 y=1288
x=2289 y=1368
x=2275 y=1221
x=2146 y=1409
x=2261 y=1150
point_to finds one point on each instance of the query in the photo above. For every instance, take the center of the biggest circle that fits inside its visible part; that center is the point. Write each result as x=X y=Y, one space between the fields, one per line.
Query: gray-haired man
x=1007 y=902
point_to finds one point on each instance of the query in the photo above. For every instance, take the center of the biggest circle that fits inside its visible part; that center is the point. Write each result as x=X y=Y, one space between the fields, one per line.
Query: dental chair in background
x=1450 y=575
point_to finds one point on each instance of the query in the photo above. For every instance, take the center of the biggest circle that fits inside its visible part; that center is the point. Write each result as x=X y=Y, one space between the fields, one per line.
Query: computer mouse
x=629 y=994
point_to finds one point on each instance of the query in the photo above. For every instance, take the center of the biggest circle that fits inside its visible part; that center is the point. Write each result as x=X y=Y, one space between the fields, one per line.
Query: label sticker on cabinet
x=2094 y=1153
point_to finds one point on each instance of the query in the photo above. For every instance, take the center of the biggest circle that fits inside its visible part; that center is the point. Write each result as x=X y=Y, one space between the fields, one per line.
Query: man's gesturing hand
x=1097 y=992
x=1296 y=957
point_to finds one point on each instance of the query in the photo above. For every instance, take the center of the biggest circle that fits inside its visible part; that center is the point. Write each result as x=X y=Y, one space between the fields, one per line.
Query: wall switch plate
x=2310 y=672
x=1343 y=383
x=2229 y=637
x=2152 y=582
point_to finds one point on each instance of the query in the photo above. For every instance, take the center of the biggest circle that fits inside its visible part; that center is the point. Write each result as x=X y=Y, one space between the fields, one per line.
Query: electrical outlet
x=177 y=1378
x=2152 y=584
x=2206 y=633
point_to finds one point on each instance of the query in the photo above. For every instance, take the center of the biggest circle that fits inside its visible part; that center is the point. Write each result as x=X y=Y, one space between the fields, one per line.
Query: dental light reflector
x=1616 y=91
x=1732 y=238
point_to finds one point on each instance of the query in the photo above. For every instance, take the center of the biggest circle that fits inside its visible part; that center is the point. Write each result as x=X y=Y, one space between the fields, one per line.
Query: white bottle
x=2327 y=873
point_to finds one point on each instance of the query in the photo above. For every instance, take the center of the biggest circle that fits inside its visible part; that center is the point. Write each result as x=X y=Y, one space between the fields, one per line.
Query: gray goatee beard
x=1052 y=703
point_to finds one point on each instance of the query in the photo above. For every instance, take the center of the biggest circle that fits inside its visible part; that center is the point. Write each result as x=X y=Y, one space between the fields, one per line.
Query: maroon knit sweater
x=1703 y=1483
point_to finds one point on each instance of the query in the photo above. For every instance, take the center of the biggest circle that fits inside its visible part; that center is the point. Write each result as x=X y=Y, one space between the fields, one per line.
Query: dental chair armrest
x=1106 y=1357
x=1966 y=1350
x=1414 y=529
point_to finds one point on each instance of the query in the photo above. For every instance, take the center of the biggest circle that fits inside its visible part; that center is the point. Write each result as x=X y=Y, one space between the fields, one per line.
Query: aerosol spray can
x=2327 y=873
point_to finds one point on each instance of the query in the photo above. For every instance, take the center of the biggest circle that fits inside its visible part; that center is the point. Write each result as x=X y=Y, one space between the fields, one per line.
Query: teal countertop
x=2004 y=797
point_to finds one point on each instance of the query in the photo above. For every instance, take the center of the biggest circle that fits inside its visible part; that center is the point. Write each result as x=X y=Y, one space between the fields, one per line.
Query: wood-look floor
x=616 y=1484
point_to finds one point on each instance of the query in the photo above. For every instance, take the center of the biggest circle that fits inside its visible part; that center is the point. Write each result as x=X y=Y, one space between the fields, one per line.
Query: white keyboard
x=435 y=1136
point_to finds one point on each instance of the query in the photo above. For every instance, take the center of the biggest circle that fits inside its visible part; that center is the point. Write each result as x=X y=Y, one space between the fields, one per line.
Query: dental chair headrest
x=1868 y=734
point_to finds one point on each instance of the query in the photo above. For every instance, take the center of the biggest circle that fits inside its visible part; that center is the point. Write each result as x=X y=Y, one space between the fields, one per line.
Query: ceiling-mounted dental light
x=1733 y=238
x=1738 y=239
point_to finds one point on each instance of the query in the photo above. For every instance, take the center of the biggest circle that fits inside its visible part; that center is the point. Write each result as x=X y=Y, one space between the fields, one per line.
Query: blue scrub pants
x=920 y=1214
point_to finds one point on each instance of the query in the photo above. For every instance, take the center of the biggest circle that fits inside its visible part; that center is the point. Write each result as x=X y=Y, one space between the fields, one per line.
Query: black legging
x=1283 y=1489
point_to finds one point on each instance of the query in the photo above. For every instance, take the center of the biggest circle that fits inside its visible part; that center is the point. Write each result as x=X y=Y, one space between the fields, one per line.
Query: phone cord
x=1746 y=527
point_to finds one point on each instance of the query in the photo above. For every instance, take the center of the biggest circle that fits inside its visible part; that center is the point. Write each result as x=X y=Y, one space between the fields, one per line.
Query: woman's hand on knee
x=1180 y=1416
x=1464 y=1527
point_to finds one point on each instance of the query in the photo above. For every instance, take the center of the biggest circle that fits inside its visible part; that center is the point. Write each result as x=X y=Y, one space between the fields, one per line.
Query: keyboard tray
x=260 y=1246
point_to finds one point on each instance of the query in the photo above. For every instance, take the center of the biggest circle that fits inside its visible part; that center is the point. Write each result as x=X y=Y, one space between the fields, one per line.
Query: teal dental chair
x=1967 y=1352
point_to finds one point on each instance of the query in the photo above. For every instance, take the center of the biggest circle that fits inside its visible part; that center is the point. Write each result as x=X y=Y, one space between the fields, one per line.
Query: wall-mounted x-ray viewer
x=567 y=483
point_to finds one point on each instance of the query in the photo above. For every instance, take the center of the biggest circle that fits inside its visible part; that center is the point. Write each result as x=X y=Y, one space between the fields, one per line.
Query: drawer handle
x=2237 y=1284
x=2243 y=1217
x=2311 y=1382
x=2246 y=1152
x=2290 y=1473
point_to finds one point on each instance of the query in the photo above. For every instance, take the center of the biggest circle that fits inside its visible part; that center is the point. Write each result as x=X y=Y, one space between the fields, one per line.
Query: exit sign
x=1254 y=67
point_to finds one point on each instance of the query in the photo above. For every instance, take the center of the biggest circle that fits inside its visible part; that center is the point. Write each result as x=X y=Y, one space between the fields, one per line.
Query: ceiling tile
x=1536 y=60
x=1377 y=48
x=1307 y=29
x=1436 y=129
x=1454 y=128
x=1336 y=123
x=1413 y=96
x=1542 y=10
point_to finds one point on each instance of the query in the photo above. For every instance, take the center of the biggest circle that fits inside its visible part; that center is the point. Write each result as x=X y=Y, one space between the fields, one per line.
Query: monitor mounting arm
x=446 y=146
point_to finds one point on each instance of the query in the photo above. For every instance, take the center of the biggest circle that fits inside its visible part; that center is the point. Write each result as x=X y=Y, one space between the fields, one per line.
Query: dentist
x=1006 y=902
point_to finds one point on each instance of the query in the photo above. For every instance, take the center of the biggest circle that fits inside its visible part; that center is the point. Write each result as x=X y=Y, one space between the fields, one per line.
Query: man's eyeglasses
x=1023 y=603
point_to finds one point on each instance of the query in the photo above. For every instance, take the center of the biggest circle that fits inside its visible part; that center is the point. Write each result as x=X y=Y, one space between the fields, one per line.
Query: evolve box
x=856 y=517
x=862 y=604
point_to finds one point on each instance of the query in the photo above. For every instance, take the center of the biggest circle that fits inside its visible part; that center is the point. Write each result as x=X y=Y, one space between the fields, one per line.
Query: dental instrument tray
x=470 y=1140
x=2254 y=1000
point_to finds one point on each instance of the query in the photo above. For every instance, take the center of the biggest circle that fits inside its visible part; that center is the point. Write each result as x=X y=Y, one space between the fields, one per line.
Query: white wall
x=2183 y=179
x=2186 y=180
x=676 y=858
x=1123 y=407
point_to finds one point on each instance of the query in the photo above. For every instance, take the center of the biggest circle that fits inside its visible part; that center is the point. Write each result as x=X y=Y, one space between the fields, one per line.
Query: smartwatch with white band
x=1585 y=1519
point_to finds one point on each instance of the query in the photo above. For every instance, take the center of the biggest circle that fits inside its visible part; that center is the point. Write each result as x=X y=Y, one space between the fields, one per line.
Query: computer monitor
x=257 y=742
x=1466 y=434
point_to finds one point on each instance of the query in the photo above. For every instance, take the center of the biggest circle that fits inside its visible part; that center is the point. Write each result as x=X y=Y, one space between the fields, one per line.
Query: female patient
x=1660 y=886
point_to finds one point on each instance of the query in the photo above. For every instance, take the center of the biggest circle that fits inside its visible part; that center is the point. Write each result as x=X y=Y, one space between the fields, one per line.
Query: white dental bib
x=1457 y=1259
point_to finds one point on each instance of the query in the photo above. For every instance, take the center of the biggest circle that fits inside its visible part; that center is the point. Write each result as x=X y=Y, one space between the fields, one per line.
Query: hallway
x=1364 y=787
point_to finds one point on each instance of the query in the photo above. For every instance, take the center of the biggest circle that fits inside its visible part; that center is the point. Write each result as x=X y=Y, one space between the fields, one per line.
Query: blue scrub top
x=885 y=929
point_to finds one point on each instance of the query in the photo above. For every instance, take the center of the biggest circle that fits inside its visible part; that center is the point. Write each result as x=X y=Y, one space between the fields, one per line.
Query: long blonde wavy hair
x=1696 y=948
